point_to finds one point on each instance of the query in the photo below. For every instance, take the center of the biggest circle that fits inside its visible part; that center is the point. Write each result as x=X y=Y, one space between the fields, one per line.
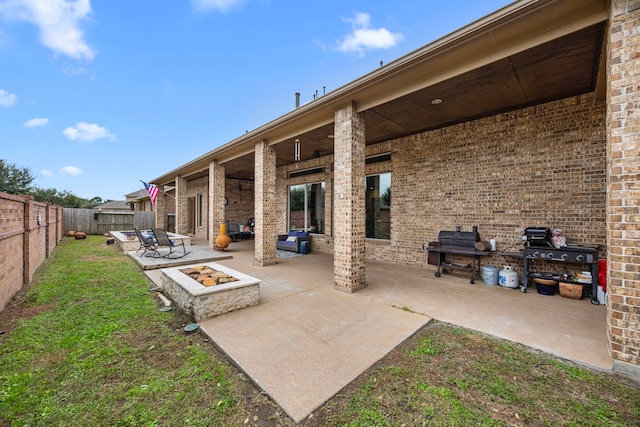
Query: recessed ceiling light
x=436 y=101
x=330 y=136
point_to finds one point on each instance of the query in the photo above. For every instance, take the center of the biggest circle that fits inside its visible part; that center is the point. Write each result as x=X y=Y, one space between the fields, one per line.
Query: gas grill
x=571 y=254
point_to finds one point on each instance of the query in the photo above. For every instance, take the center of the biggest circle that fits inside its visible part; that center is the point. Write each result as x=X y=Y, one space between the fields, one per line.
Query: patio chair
x=147 y=243
x=162 y=239
x=233 y=231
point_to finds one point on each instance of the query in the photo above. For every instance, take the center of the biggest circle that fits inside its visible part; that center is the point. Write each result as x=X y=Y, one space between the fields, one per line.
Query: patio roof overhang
x=529 y=52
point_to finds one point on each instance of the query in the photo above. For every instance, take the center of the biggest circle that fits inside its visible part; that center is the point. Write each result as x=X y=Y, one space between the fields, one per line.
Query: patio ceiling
x=559 y=61
x=564 y=67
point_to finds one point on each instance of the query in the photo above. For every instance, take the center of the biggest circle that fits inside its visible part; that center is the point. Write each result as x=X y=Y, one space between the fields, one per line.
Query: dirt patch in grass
x=18 y=309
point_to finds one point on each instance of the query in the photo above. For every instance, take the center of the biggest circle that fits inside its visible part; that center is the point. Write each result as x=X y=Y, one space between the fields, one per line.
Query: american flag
x=153 y=192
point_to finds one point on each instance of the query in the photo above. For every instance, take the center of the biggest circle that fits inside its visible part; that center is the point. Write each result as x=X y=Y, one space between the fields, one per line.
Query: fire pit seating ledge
x=292 y=241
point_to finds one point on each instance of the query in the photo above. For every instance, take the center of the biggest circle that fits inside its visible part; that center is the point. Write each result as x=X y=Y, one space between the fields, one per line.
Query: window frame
x=306 y=215
x=380 y=207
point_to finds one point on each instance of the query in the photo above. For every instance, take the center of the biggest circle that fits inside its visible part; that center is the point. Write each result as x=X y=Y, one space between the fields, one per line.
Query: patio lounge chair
x=162 y=239
x=147 y=243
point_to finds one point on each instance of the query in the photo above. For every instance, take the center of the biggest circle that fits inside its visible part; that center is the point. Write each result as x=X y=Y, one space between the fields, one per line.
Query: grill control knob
x=550 y=255
x=536 y=254
x=580 y=258
x=565 y=257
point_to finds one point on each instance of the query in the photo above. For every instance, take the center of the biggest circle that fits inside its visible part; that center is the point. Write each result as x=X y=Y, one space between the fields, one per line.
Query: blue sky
x=97 y=95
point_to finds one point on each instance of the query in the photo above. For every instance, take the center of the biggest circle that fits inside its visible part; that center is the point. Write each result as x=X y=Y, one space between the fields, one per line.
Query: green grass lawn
x=99 y=352
x=86 y=345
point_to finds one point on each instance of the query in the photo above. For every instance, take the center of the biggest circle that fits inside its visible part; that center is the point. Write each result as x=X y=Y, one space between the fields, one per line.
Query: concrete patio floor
x=305 y=341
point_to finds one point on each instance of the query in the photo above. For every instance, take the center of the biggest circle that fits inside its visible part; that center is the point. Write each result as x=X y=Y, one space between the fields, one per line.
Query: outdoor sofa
x=293 y=240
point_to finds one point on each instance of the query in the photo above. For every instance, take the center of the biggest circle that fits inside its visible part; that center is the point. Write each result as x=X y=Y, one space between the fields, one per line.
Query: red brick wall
x=11 y=246
x=24 y=241
x=538 y=166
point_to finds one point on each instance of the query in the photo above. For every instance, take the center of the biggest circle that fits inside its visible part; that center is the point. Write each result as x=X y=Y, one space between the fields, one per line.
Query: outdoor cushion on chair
x=162 y=239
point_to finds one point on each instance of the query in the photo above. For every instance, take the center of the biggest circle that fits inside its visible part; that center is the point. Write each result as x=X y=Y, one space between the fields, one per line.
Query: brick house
x=527 y=117
x=139 y=201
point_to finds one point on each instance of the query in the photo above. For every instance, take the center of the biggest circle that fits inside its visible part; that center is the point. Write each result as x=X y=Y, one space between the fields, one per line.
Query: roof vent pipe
x=297 y=100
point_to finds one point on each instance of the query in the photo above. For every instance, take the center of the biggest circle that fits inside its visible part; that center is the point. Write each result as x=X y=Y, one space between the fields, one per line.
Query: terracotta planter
x=222 y=241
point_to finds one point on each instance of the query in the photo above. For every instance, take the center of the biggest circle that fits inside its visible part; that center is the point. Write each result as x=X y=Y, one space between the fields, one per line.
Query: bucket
x=489 y=274
x=507 y=277
x=546 y=286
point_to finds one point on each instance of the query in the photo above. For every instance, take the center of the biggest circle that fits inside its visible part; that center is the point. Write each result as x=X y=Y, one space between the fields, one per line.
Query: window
x=306 y=207
x=200 y=208
x=378 y=201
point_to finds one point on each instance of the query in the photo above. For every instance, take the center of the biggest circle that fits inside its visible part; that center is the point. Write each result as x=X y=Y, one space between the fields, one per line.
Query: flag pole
x=160 y=191
x=167 y=194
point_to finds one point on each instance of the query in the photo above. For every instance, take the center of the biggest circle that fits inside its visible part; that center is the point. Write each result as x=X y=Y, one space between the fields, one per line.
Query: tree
x=385 y=199
x=15 y=180
x=64 y=198
x=92 y=203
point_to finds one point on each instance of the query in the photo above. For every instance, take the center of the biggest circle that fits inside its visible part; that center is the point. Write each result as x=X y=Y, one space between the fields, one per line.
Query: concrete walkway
x=193 y=254
x=305 y=341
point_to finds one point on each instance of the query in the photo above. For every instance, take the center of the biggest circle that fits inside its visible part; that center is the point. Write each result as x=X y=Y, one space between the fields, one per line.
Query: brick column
x=216 y=211
x=182 y=205
x=266 y=208
x=623 y=206
x=161 y=211
x=349 y=201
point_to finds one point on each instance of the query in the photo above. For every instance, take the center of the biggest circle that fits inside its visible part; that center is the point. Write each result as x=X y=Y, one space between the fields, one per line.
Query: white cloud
x=47 y=173
x=71 y=170
x=32 y=123
x=221 y=5
x=88 y=132
x=364 y=37
x=7 y=99
x=74 y=71
x=58 y=21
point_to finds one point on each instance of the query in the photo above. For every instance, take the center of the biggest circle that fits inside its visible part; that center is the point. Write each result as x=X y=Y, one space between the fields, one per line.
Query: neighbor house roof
x=117 y=205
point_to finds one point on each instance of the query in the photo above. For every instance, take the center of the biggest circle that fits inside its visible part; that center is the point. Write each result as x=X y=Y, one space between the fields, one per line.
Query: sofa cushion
x=292 y=233
x=303 y=234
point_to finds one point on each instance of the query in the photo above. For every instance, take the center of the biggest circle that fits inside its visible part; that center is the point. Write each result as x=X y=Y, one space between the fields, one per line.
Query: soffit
x=527 y=53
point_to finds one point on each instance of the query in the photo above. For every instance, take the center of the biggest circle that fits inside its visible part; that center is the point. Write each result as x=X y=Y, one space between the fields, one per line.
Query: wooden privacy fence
x=92 y=221
x=29 y=231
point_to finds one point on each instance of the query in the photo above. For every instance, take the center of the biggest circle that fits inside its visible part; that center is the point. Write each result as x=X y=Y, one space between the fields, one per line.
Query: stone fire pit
x=201 y=301
x=207 y=276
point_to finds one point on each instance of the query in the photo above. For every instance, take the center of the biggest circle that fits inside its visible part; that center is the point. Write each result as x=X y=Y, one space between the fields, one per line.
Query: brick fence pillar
x=182 y=206
x=349 y=201
x=623 y=202
x=216 y=201
x=266 y=208
x=26 y=257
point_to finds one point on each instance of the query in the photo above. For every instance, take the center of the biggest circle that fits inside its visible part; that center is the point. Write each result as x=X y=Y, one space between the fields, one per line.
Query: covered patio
x=303 y=342
x=520 y=119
